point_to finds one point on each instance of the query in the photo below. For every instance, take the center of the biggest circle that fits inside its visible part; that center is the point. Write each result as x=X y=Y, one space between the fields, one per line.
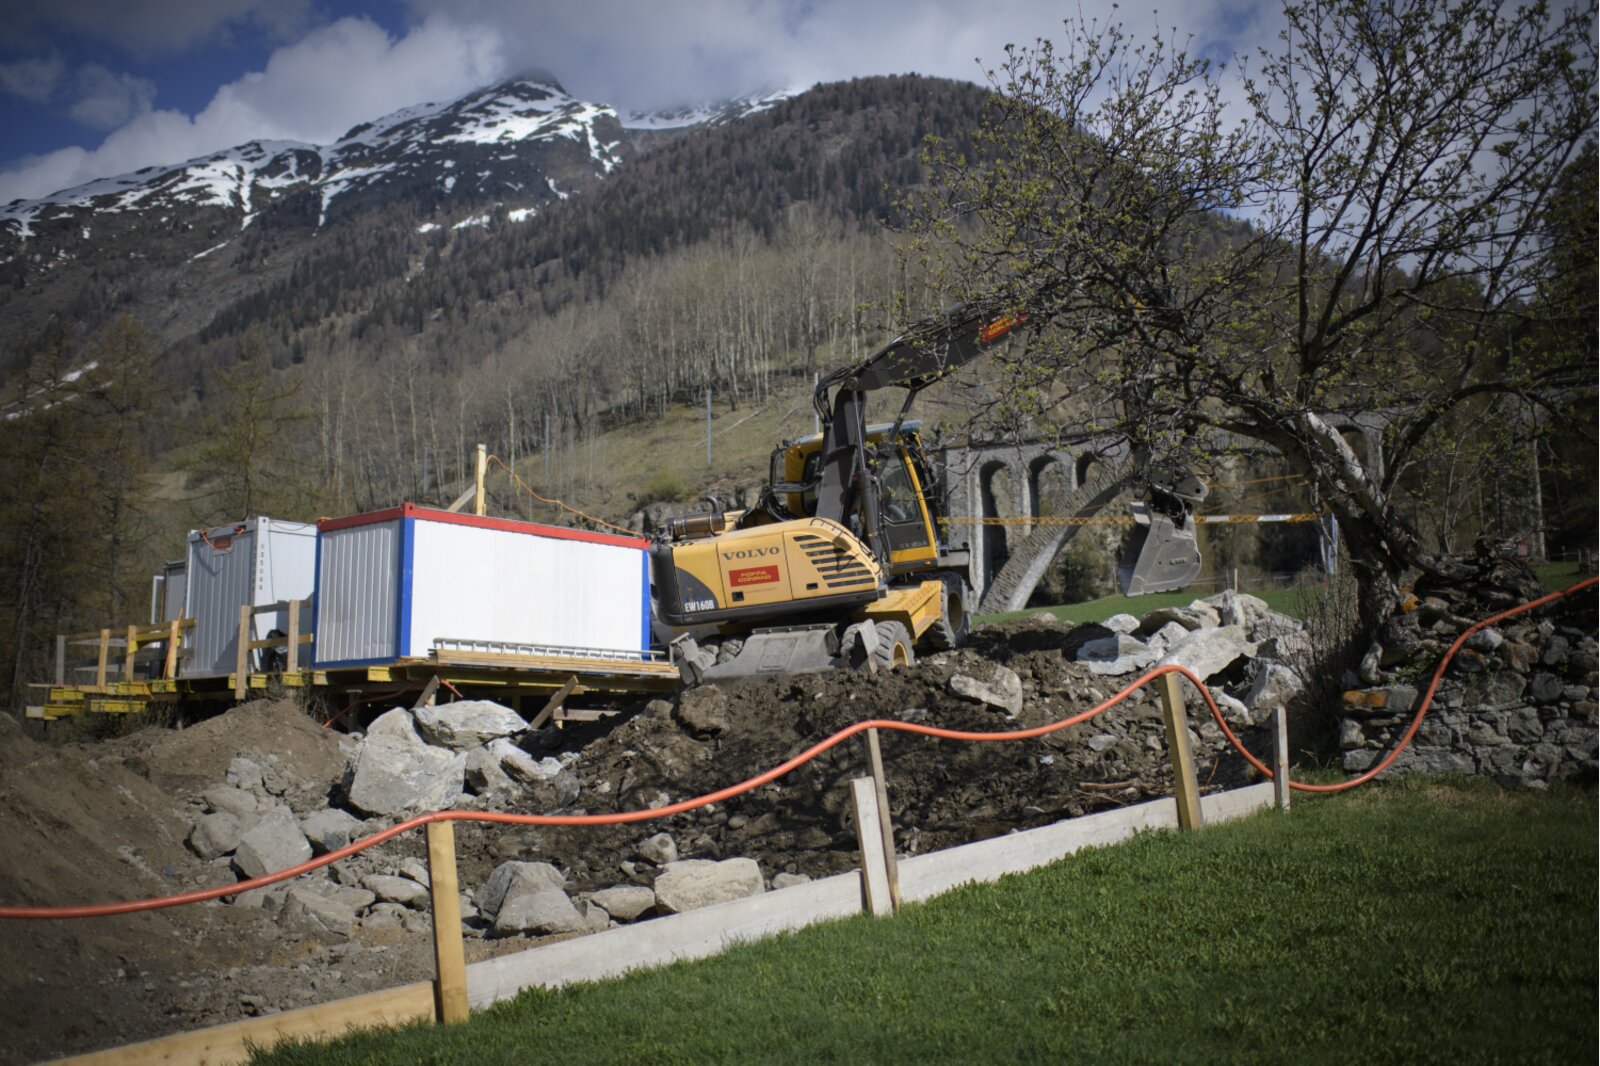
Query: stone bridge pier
x=1023 y=481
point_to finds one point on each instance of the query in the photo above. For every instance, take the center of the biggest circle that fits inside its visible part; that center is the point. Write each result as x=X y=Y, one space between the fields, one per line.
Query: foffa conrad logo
x=751 y=553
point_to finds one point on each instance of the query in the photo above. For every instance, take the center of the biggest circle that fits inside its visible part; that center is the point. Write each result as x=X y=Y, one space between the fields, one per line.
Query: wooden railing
x=290 y=641
x=128 y=640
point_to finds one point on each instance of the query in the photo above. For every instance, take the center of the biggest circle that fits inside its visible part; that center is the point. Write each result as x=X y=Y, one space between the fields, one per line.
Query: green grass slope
x=1407 y=922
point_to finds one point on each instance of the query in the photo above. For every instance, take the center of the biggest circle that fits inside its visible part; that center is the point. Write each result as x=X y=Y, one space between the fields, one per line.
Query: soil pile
x=93 y=822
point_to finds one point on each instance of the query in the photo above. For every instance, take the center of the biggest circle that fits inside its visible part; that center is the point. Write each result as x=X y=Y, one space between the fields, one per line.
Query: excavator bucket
x=1162 y=555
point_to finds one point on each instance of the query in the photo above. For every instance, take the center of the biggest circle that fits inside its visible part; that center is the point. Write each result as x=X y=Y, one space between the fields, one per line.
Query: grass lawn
x=1406 y=922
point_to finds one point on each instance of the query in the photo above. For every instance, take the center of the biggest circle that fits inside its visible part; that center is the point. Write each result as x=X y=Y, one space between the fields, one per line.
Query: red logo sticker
x=755 y=575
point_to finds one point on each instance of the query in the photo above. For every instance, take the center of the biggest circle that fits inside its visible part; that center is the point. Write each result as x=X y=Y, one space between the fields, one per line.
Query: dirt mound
x=102 y=821
x=942 y=793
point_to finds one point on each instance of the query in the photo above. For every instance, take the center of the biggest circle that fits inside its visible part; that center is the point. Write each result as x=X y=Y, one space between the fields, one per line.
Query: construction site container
x=400 y=583
x=257 y=562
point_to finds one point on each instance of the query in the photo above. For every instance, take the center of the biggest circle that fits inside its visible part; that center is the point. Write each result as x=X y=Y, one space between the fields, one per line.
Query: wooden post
x=875 y=758
x=1280 y=762
x=1186 y=790
x=479 y=505
x=429 y=691
x=241 y=670
x=450 y=986
x=292 y=659
x=869 y=835
x=61 y=659
x=127 y=656
x=554 y=704
x=100 y=668
x=171 y=668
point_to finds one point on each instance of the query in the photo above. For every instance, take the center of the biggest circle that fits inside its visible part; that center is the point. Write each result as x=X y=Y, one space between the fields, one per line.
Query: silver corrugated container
x=256 y=562
x=400 y=583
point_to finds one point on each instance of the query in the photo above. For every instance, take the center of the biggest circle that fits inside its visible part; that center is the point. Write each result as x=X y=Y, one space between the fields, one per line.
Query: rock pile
x=464 y=755
x=1244 y=651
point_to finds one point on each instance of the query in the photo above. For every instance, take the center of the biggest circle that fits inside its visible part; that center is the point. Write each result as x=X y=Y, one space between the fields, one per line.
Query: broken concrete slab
x=689 y=884
x=467 y=724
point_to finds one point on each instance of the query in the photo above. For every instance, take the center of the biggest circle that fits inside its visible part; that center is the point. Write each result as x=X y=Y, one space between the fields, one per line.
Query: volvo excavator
x=844 y=560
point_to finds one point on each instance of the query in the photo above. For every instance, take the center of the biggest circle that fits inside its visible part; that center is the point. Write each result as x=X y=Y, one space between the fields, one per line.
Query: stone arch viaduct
x=1024 y=480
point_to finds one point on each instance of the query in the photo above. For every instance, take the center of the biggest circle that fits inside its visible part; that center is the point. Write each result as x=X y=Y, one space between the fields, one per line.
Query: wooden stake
x=449 y=956
x=241 y=675
x=425 y=697
x=482 y=468
x=132 y=650
x=1280 y=762
x=292 y=659
x=170 y=669
x=875 y=757
x=1186 y=790
x=555 y=703
x=61 y=659
x=100 y=668
x=869 y=835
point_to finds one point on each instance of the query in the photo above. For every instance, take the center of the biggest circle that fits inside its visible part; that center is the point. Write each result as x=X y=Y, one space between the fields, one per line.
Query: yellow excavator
x=843 y=560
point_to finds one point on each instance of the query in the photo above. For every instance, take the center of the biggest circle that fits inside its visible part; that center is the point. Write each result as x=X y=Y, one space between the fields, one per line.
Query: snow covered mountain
x=522 y=143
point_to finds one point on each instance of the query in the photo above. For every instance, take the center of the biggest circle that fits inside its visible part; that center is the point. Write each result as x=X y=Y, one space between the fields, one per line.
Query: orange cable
x=750 y=784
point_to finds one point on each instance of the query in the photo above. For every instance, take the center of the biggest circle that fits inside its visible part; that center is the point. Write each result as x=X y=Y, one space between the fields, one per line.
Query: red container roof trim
x=506 y=525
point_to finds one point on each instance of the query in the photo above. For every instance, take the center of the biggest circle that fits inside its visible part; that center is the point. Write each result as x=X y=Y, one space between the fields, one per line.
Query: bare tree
x=1363 y=233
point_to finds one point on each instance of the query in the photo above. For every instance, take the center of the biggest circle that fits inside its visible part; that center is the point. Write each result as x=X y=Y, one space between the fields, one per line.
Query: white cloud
x=107 y=99
x=314 y=90
x=34 y=80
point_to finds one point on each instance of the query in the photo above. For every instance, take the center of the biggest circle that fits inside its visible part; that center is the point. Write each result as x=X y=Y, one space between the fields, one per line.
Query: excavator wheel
x=950 y=631
x=894 y=646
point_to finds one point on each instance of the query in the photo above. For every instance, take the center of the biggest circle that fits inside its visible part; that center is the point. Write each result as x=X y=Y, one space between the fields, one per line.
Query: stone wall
x=1518 y=704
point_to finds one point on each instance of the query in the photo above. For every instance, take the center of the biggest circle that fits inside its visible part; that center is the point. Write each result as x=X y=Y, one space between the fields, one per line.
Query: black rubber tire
x=894 y=646
x=950 y=631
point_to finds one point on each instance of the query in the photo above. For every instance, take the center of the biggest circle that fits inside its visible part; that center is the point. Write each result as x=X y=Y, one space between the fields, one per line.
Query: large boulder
x=624 y=902
x=329 y=829
x=225 y=799
x=273 y=843
x=531 y=907
x=688 y=884
x=322 y=908
x=1001 y=690
x=1195 y=616
x=515 y=874
x=1274 y=686
x=395 y=775
x=1208 y=652
x=216 y=834
x=1118 y=654
x=467 y=723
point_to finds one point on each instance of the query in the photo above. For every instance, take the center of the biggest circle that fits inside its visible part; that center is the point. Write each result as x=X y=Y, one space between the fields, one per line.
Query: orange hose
x=1422 y=709
x=626 y=817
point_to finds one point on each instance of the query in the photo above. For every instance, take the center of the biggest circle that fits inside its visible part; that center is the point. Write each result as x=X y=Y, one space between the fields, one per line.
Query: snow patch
x=208 y=251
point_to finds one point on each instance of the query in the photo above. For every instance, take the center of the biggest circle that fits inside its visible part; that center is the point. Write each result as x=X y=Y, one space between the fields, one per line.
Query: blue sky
x=91 y=88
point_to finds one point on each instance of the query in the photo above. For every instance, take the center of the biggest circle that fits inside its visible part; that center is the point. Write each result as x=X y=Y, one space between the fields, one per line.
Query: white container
x=257 y=562
x=397 y=584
